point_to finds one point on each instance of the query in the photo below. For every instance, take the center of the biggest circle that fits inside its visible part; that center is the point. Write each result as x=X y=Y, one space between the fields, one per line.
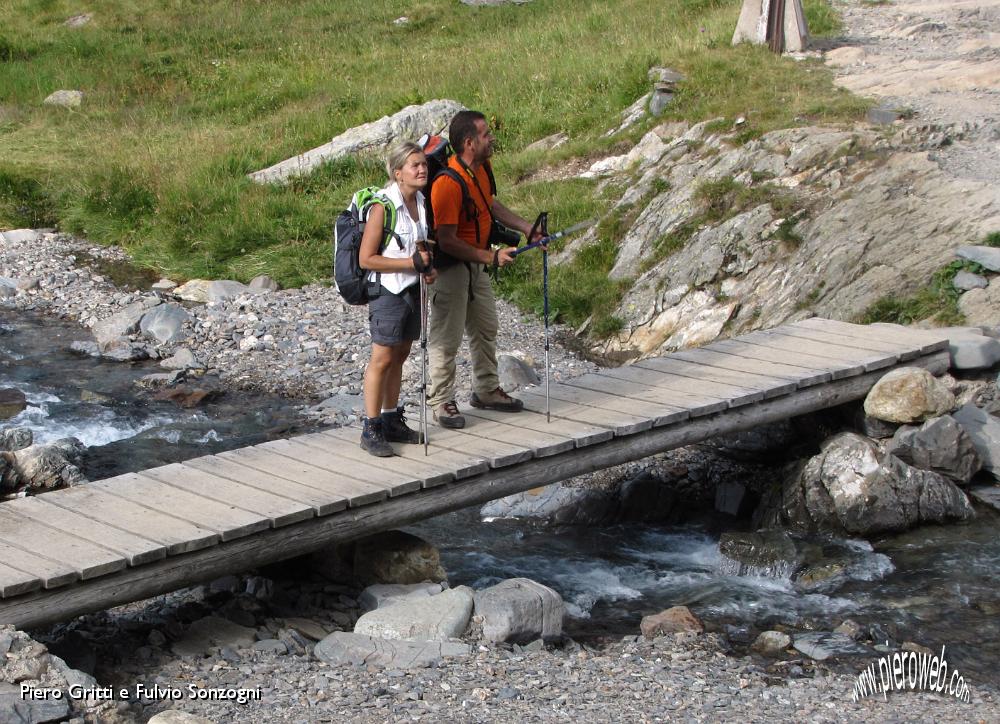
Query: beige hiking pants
x=452 y=313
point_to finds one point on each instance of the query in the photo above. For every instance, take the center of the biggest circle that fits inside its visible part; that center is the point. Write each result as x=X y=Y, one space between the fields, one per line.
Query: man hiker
x=462 y=300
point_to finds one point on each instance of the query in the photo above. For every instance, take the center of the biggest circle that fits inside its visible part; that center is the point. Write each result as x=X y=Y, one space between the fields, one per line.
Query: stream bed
x=935 y=585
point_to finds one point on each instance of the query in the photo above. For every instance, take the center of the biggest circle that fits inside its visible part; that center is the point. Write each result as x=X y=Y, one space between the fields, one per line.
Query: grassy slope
x=184 y=97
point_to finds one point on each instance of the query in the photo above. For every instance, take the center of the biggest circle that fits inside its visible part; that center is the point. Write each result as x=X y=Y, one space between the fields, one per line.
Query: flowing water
x=935 y=585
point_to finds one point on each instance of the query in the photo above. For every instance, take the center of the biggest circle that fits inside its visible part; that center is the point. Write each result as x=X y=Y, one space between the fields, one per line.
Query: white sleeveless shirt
x=410 y=231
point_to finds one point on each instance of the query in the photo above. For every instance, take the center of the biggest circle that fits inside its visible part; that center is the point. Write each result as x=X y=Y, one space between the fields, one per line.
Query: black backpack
x=351 y=280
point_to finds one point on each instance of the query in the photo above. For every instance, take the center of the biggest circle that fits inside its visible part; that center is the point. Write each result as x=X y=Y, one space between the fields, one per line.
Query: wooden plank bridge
x=126 y=538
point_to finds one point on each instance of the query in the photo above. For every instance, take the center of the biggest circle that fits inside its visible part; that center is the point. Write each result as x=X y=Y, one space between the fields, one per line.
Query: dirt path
x=936 y=59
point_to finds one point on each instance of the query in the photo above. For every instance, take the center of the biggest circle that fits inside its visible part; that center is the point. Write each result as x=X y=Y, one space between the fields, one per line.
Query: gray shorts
x=395 y=318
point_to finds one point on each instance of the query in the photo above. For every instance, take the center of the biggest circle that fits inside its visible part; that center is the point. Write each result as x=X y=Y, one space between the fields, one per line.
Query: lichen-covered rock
x=907 y=395
x=44 y=467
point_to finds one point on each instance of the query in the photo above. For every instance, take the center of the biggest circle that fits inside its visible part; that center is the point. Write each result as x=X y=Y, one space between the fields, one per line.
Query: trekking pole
x=557 y=235
x=423 y=359
x=545 y=308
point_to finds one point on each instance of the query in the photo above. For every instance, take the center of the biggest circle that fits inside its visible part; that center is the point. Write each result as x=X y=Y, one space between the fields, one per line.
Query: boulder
x=12 y=403
x=263 y=283
x=987 y=256
x=212 y=631
x=547 y=144
x=677 y=619
x=397 y=557
x=122 y=350
x=175 y=716
x=515 y=373
x=964 y=281
x=64 y=99
x=410 y=122
x=341 y=648
x=907 y=395
x=78 y=21
x=822 y=645
x=520 y=610
x=433 y=618
x=182 y=359
x=973 y=352
x=852 y=487
x=15 y=438
x=984 y=431
x=982 y=306
x=44 y=466
x=940 y=445
x=222 y=290
x=118 y=325
x=770 y=553
x=195 y=290
x=165 y=323
x=771 y=643
x=164 y=285
x=16 y=709
x=381 y=595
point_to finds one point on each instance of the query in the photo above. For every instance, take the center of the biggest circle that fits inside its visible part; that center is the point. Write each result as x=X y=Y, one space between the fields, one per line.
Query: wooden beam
x=39 y=608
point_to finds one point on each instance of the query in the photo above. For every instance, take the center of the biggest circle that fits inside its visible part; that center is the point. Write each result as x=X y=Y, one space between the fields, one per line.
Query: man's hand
x=505 y=256
x=431 y=276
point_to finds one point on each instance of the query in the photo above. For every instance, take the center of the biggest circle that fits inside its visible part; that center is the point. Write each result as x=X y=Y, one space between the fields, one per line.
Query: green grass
x=937 y=300
x=184 y=98
x=991 y=239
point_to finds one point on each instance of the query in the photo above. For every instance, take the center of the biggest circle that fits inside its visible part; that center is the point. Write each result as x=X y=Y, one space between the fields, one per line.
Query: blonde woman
x=394 y=315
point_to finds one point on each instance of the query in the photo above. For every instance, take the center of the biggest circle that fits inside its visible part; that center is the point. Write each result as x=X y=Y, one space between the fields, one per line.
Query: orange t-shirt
x=446 y=200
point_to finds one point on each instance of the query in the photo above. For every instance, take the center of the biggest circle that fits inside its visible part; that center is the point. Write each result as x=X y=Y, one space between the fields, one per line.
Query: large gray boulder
x=984 y=430
x=982 y=306
x=971 y=349
x=64 y=99
x=381 y=595
x=118 y=325
x=908 y=395
x=165 y=323
x=44 y=466
x=411 y=122
x=341 y=648
x=940 y=445
x=520 y=610
x=433 y=618
x=397 y=557
x=852 y=487
x=987 y=256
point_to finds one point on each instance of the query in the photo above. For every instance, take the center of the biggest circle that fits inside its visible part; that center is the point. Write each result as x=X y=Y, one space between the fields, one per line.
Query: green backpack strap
x=371 y=195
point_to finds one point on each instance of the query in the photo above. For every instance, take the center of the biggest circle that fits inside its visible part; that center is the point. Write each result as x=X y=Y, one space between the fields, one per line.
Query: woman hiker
x=394 y=315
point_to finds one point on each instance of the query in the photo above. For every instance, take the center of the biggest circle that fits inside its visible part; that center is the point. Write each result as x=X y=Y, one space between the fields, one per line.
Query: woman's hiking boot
x=447 y=415
x=373 y=438
x=395 y=429
x=496 y=400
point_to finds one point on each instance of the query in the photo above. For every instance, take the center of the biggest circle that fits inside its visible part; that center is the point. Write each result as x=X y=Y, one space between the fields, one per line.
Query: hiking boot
x=496 y=400
x=373 y=438
x=395 y=429
x=446 y=415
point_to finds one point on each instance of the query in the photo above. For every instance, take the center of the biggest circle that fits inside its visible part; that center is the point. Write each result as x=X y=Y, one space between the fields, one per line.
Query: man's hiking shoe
x=447 y=415
x=395 y=429
x=373 y=438
x=496 y=400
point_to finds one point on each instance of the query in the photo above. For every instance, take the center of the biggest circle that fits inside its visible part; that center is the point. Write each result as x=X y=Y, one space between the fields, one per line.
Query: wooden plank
x=777 y=339
x=14 y=582
x=463 y=465
x=497 y=454
x=870 y=344
x=227 y=520
x=277 y=509
x=367 y=469
x=582 y=434
x=541 y=444
x=770 y=386
x=598 y=408
x=925 y=340
x=42 y=607
x=429 y=474
x=342 y=486
x=35 y=567
x=86 y=558
x=714 y=357
x=695 y=404
x=322 y=501
x=836 y=370
x=179 y=536
x=136 y=549
x=736 y=394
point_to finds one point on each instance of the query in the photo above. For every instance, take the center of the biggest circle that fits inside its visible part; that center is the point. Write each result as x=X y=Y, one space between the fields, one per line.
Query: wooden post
x=781 y=24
